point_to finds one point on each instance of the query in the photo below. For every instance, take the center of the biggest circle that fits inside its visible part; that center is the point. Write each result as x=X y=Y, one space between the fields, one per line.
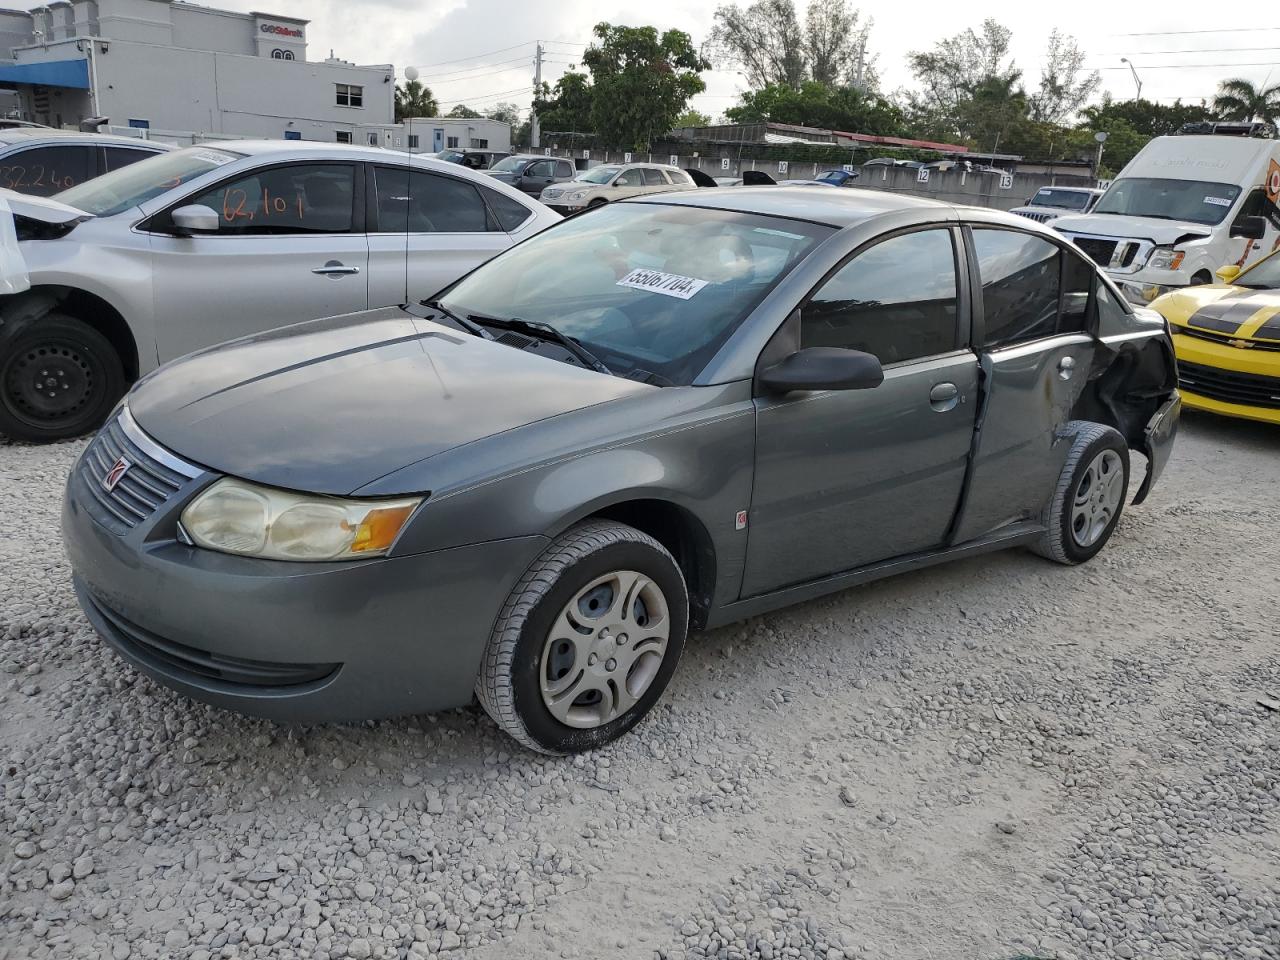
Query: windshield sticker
x=778 y=233
x=667 y=284
x=1218 y=201
x=217 y=159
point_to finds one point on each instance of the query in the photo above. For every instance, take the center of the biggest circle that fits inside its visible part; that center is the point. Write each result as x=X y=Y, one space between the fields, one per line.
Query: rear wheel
x=59 y=378
x=1089 y=498
x=587 y=641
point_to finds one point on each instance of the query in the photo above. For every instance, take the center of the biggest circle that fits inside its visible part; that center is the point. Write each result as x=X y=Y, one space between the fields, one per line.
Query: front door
x=430 y=230
x=538 y=176
x=287 y=249
x=847 y=478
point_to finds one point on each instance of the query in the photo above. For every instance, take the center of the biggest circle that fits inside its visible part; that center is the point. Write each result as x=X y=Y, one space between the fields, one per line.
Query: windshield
x=649 y=289
x=1191 y=200
x=1062 y=199
x=139 y=182
x=510 y=165
x=598 y=174
x=1265 y=274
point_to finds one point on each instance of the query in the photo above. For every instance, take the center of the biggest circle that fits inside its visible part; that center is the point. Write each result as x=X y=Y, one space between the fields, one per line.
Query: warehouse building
x=171 y=65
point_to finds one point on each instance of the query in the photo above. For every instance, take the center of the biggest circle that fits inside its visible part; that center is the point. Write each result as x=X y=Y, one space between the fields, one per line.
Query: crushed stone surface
x=1000 y=757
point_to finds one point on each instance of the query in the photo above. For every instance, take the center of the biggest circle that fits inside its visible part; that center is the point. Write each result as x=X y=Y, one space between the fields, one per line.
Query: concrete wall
x=952 y=186
x=212 y=30
x=15 y=31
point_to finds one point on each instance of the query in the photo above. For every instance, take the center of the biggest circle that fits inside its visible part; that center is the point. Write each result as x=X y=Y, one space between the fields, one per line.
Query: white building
x=433 y=134
x=172 y=65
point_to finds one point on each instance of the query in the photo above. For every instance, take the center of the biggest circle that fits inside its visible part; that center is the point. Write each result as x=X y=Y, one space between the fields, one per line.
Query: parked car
x=532 y=173
x=1183 y=206
x=200 y=245
x=615 y=181
x=41 y=162
x=1227 y=337
x=472 y=159
x=838 y=178
x=1049 y=203
x=892 y=162
x=673 y=413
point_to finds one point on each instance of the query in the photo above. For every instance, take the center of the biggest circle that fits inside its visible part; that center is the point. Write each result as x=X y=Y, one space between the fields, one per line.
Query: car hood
x=332 y=405
x=1160 y=232
x=1228 y=310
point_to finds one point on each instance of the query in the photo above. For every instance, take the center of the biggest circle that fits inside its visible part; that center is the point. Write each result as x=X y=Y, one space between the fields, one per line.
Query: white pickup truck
x=1183 y=207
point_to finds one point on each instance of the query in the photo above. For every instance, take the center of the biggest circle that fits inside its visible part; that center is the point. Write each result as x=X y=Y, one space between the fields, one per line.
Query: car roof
x=836 y=208
x=22 y=136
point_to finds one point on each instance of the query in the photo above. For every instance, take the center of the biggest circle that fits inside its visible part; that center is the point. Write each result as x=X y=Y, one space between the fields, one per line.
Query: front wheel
x=59 y=378
x=587 y=641
x=1089 y=496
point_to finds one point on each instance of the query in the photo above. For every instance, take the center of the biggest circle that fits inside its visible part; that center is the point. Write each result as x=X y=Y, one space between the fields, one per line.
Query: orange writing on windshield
x=236 y=205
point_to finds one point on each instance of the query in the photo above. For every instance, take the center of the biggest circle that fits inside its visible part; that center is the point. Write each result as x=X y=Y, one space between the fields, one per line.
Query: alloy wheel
x=1098 y=498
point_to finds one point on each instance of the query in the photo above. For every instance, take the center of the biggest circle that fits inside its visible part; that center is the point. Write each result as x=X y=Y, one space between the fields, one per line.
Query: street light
x=1134 y=70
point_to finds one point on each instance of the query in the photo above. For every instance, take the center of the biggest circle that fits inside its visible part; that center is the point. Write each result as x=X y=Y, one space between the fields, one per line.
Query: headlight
x=1166 y=259
x=237 y=517
x=576 y=195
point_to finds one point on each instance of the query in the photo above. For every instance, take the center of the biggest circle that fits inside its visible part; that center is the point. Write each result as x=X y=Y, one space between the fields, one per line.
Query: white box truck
x=1183 y=207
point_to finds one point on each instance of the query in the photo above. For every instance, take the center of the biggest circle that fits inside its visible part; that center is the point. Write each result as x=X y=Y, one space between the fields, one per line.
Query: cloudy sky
x=480 y=51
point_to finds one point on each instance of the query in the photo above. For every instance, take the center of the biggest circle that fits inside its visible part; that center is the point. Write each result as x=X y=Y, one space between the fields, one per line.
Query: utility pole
x=534 y=131
x=862 y=54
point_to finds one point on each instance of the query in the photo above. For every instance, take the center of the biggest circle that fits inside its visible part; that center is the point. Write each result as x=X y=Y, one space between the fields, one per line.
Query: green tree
x=817 y=105
x=1065 y=85
x=692 y=118
x=463 y=112
x=640 y=82
x=1241 y=100
x=1145 y=116
x=771 y=45
x=567 y=108
x=949 y=74
x=506 y=112
x=414 y=100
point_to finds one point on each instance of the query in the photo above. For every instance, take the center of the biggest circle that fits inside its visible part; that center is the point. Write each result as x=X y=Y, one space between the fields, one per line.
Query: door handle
x=944 y=396
x=1066 y=367
x=335 y=269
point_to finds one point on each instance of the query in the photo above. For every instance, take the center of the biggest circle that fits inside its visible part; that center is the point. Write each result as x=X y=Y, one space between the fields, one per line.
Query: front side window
x=540 y=168
x=120 y=190
x=44 y=171
x=896 y=300
x=650 y=290
x=630 y=178
x=306 y=198
x=1194 y=201
x=349 y=95
x=421 y=202
x=1020 y=285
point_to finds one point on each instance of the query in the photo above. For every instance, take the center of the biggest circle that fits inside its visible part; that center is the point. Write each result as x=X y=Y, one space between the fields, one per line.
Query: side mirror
x=1249 y=228
x=1228 y=273
x=823 y=368
x=196 y=218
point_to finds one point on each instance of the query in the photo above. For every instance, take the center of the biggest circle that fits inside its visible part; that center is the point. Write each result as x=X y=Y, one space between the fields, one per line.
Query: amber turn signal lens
x=380 y=527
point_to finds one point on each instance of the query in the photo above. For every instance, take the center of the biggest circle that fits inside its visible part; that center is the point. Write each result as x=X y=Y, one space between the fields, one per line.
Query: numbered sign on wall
x=782 y=166
x=848 y=168
x=1006 y=181
x=673 y=160
x=626 y=158
x=546 y=152
x=1104 y=184
x=724 y=163
x=922 y=175
x=586 y=154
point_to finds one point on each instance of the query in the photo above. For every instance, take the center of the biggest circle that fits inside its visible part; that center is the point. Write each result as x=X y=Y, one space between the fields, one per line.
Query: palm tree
x=414 y=100
x=1241 y=100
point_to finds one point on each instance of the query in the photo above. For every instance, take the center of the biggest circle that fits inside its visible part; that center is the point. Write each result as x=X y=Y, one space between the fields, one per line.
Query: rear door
x=289 y=248
x=1033 y=300
x=655 y=181
x=847 y=478
x=426 y=231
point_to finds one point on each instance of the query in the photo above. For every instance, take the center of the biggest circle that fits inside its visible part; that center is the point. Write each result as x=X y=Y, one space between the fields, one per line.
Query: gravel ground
x=1001 y=757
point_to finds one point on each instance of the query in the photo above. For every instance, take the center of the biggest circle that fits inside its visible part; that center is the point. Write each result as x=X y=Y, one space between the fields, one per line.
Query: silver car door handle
x=1066 y=366
x=335 y=269
x=944 y=396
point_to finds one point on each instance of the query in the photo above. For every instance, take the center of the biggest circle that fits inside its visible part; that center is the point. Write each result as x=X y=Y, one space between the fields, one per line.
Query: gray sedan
x=674 y=413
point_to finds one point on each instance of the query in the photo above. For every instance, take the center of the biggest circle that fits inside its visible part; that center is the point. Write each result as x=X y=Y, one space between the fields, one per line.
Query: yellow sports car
x=1227 y=337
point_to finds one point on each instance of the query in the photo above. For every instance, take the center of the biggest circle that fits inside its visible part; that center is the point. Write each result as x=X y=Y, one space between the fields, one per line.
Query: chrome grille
x=151 y=478
x=1037 y=217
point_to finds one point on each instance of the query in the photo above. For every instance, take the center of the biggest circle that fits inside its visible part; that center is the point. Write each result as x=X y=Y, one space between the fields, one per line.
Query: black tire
x=597 y=202
x=509 y=685
x=59 y=378
x=1061 y=541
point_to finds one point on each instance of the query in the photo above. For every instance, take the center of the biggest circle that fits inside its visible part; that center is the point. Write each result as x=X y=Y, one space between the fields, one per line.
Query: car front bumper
x=566 y=210
x=289 y=641
x=1232 y=381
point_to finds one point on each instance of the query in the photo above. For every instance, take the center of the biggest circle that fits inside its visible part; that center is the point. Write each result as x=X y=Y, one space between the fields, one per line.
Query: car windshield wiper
x=466 y=323
x=545 y=331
